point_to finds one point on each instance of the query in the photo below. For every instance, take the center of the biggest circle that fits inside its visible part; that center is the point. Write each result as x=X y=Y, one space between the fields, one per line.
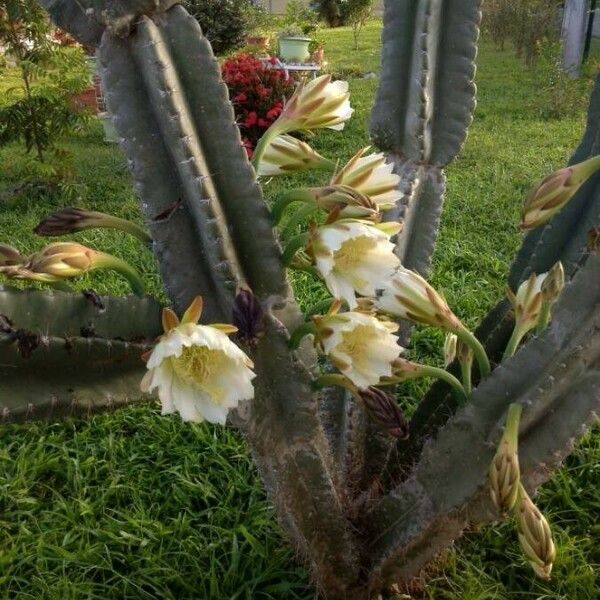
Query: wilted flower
x=549 y=196
x=10 y=256
x=361 y=346
x=354 y=256
x=535 y=536
x=286 y=154
x=63 y=260
x=450 y=344
x=409 y=296
x=71 y=220
x=384 y=410
x=199 y=372
x=372 y=176
x=504 y=470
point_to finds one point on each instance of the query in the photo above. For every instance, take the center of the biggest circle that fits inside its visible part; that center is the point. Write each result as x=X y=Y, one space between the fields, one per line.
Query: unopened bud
x=450 y=344
x=548 y=197
x=409 y=296
x=527 y=302
x=504 y=470
x=286 y=154
x=70 y=220
x=63 y=260
x=384 y=410
x=553 y=284
x=10 y=256
x=248 y=316
x=535 y=536
x=349 y=202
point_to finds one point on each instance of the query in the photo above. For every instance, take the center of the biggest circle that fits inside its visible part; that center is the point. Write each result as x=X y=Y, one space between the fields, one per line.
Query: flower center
x=356 y=343
x=199 y=367
x=352 y=252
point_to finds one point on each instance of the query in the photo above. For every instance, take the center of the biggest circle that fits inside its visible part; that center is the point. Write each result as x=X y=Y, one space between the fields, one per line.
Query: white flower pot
x=294 y=49
x=110 y=133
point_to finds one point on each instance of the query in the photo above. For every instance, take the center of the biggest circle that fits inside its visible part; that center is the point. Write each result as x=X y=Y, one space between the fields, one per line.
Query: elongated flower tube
x=286 y=154
x=535 y=536
x=64 y=260
x=354 y=257
x=552 y=287
x=314 y=105
x=70 y=220
x=372 y=176
x=549 y=196
x=408 y=296
x=527 y=304
x=10 y=256
x=361 y=347
x=199 y=372
x=405 y=370
x=504 y=470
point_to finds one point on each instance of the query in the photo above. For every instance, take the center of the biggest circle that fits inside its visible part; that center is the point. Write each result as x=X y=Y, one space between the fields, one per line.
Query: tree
x=49 y=73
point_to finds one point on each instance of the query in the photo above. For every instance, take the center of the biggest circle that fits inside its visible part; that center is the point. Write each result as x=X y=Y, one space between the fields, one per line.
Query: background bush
x=226 y=23
x=257 y=93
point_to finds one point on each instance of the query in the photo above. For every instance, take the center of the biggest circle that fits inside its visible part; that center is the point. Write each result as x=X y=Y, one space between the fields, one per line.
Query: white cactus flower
x=286 y=154
x=409 y=296
x=372 y=176
x=362 y=347
x=317 y=104
x=199 y=372
x=354 y=257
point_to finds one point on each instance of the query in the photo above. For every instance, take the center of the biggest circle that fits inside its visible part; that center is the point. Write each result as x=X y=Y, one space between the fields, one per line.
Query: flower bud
x=372 y=176
x=70 y=220
x=10 y=256
x=545 y=200
x=527 y=303
x=63 y=260
x=553 y=283
x=450 y=345
x=384 y=410
x=286 y=154
x=350 y=203
x=504 y=470
x=535 y=536
x=248 y=316
x=409 y=296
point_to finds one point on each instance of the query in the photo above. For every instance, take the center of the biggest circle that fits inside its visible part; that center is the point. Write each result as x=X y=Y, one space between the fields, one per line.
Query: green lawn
x=134 y=505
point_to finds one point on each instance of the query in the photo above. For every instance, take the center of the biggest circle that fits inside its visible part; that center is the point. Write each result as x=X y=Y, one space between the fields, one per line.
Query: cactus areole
x=340 y=463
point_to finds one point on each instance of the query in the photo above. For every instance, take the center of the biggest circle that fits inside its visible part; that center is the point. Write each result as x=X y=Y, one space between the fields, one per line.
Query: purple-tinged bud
x=384 y=410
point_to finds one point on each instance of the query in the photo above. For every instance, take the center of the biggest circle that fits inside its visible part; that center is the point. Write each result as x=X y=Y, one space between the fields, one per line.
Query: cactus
x=323 y=460
x=66 y=354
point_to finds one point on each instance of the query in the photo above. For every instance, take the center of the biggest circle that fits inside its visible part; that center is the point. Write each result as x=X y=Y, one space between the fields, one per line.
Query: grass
x=134 y=505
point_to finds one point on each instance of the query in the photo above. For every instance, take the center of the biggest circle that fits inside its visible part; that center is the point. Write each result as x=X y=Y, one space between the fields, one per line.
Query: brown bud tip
x=384 y=410
x=248 y=316
x=61 y=222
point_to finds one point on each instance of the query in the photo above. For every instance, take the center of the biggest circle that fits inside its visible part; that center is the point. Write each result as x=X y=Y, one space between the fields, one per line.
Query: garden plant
x=368 y=497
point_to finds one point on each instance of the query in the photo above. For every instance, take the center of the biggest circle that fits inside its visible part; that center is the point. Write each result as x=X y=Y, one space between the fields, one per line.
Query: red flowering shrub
x=258 y=93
